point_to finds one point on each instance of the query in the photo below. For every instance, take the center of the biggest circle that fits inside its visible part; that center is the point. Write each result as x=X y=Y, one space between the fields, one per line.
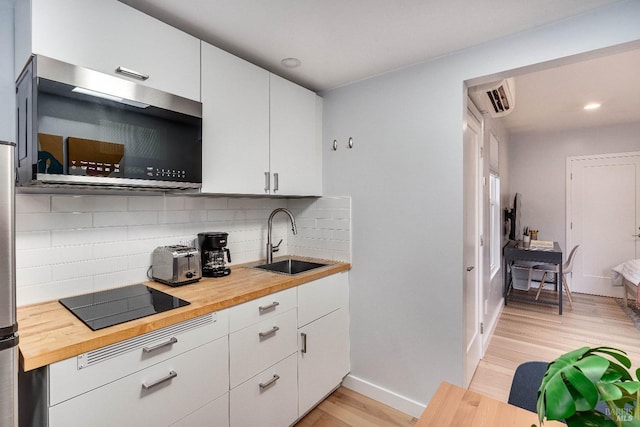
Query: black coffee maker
x=212 y=249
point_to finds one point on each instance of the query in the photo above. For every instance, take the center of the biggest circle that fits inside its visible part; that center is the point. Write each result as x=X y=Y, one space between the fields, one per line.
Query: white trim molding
x=388 y=397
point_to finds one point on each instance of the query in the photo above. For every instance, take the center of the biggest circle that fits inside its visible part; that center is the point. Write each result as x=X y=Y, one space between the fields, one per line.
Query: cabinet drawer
x=322 y=296
x=260 y=309
x=274 y=404
x=76 y=375
x=158 y=395
x=261 y=345
x=215 y=414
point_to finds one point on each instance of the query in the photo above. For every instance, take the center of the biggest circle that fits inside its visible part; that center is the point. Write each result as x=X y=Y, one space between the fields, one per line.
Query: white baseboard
x=389 y=398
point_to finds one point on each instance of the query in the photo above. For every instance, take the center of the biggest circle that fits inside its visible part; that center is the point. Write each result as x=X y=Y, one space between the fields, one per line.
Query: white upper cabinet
x=105 y=35
x=261 y=133
x=296 y=148
x=235 y=124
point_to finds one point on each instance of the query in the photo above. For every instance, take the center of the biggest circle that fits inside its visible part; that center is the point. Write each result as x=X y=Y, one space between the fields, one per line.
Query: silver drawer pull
x=273 y=379
x=172 y=374
x=153 y=348
x=269 y=332
x=271 y=306
x=131 y=73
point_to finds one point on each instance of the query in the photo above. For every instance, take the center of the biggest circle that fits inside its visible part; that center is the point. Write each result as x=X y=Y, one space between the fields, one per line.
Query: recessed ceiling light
x=291 y=62
x=592 y=106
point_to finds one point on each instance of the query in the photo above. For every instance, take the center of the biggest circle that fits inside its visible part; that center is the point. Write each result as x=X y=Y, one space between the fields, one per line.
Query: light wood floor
x=529 y=331
x=346 y=408
x=524 y=332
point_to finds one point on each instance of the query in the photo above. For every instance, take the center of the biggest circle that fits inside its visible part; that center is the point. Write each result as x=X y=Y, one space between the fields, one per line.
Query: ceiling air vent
x=497 y=99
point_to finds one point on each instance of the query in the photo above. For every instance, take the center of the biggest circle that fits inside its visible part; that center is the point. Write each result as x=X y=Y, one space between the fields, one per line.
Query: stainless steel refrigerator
x=8 y=322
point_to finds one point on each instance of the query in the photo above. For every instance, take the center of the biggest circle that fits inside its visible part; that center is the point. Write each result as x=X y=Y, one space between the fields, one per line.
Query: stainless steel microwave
x=80 y=127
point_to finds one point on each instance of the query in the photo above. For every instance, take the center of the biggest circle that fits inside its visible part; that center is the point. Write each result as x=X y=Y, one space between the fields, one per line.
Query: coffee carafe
x=212 y=250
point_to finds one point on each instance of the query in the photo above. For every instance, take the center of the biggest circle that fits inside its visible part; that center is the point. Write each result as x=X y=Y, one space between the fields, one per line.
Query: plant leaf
x=570 y=379
x=631 y=387
x=619 y=355
x=590 y=419
x=609 y=391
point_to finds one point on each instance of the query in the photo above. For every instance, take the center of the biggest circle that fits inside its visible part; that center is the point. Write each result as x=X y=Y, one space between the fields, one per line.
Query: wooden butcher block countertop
x=50 y=333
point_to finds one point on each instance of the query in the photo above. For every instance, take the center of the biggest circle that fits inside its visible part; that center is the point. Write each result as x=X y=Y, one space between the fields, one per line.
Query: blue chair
x=525 y=385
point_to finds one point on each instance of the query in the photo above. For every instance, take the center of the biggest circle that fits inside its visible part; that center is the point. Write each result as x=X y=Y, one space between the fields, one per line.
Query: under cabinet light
x=592 y=106
x=109 y=97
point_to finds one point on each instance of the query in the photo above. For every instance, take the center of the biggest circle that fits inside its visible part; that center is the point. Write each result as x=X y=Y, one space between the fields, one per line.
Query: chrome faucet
x=270 y=248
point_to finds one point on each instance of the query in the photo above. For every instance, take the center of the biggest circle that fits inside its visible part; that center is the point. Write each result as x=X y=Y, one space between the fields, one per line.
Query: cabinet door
x=106 y=34
x=323 y=359
x=235 y=124
x=296 y=144
x=268 y=399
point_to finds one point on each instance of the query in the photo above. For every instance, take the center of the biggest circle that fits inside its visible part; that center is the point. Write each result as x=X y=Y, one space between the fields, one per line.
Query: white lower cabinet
x=270 y=399
x=265 y=363
x=158 y=395
x=323 y=360
x=323 y=338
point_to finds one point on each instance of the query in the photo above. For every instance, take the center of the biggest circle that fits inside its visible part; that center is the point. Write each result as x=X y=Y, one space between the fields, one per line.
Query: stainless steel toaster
x=176 y=265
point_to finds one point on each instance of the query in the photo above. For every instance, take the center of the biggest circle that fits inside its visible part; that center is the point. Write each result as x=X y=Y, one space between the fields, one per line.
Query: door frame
x=569 y=189
x=472 y=111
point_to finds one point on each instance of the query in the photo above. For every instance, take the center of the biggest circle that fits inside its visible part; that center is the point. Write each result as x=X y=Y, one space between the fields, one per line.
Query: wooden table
x=453 y=406
x=519 y=251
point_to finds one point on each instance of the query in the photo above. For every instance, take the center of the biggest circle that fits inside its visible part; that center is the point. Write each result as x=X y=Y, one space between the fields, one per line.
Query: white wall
x=544 y=156
x=405 y=178
x=7 y=82
x=69 y=245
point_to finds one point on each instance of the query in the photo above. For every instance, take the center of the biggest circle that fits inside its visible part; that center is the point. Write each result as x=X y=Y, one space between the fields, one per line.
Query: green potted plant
x=576 y=381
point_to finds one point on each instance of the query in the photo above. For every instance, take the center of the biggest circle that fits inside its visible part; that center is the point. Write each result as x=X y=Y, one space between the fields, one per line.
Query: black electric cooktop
x=102 y=309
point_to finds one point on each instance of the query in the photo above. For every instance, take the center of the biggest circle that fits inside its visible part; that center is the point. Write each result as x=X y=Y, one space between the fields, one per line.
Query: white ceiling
x=343 y=41
x=553 y=100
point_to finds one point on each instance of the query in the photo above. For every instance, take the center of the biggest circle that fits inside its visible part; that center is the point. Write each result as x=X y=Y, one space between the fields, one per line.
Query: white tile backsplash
x=69 y=245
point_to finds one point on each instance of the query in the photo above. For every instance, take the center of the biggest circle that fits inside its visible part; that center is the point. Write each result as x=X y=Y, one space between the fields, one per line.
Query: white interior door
x=603 y=219
x=471 y=159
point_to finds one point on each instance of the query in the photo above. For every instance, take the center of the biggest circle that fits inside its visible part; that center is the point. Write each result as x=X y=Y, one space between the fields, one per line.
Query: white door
x=602 y=214
x=471 y=159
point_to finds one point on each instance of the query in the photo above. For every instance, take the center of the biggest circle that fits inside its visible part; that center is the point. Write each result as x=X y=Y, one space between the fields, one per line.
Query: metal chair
x=553 y=268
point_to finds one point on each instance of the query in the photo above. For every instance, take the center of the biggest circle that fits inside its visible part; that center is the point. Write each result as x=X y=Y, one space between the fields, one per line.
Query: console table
x=519 y=251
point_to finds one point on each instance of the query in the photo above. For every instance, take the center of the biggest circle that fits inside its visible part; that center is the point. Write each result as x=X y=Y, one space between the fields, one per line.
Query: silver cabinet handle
x=275 y=182
x=271 y=306
x=304 y=342
x=470 y=268
x=267 y=182
x=269 y=332
x=334 y=145
x=172 y=374
x=131 y=73
x=273 y=379
x=153 y=348
x=350 y=143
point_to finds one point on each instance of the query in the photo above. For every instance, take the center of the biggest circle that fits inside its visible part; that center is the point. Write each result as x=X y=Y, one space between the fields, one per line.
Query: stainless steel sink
x=290 y=266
